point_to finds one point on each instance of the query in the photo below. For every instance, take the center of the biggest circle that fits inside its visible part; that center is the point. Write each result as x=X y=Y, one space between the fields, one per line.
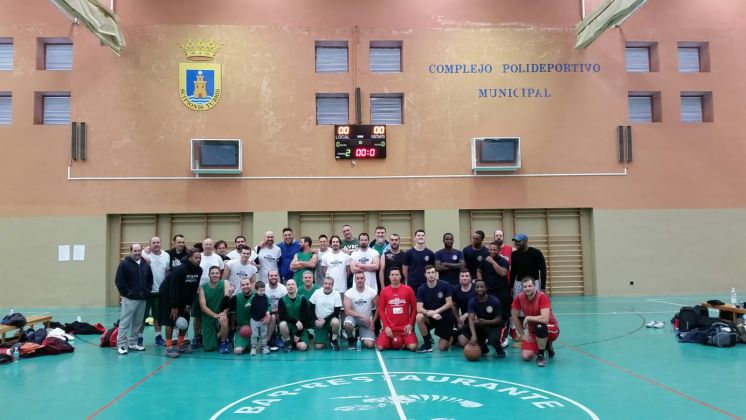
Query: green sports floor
x=608 y=366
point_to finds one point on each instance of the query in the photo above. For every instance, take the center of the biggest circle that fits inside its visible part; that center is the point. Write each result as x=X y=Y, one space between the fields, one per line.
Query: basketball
x=245 y=331
x=182 y=324
x=397 y=342
x=472 y=353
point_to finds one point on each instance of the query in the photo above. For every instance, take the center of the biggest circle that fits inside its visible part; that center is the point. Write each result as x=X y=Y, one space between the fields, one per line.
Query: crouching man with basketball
x=242 y=340
x=540 y=325
x=397 y=307
x=485 y=320
x=176 y=293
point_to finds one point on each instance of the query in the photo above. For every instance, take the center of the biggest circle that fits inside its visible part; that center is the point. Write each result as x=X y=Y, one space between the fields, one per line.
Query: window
x=644 y=107
x=332 y=108
x=641 y=57
x=696 y=107
x=52 y=108
x=386 y=108
x=693 y=57
x=331 y=56
x=6 y=109
x=54 y=54
x=6 y=54
x=385 y=56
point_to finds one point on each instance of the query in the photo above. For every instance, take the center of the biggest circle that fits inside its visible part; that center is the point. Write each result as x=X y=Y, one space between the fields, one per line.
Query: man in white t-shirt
x=275 y=291
x=326 y=304
x=268 y=255
x=359 y=302
x=336 y=264
x=209 y=259
x=323 y=250
x=236 y=253
x=242 y=268
x=365 y=260
x=159 y=261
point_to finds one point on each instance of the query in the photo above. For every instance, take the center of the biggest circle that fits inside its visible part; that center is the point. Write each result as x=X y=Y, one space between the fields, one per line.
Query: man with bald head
x=268 y=255
x=159 y=261
x=134 y=280
x=209 y=259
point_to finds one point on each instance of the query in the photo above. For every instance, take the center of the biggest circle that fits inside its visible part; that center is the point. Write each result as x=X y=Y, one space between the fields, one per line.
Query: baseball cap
x=520 y=237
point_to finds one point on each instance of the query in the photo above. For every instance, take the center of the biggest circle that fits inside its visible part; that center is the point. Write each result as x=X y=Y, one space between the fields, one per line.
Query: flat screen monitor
x=218 y=154
x=499 y=150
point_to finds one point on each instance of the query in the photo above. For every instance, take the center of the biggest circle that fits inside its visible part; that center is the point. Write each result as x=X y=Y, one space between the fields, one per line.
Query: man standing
x=462 y=294
x=237 y=270
x=304 y=260
x=336 y=264
x=288 y=248
x=475 y=253
x=359 y=302
x=485 y=320
x=494 y=271
x=449 y=261
x=393 y=258
x=323 y=249
x=349 y=243
x=325 y=306
x=159 y=262
x=380 y=245
x=275 y=292
x=504 y=249
x=293 y=312
x=365 y=260
x=540 y=325
x=213 y=302
x=268 y=255
x=397 y=307
x=179 y=251
x=415 y=260
x=134 y=280
x=527 y=261
x=209 y=258
x=434 y=304
x=236 y=253
x=177 y=292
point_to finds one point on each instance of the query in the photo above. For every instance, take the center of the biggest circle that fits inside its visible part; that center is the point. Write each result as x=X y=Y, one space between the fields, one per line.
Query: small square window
x=54 y=54
x=6 y=54
x=696 y=107
x=386 y=108
x=331 y=57
x=641 y=57
x=332 y=108
x=52 y=108
x=693 y=57
x=644 y=107
x=6 y=108
x=385 y=56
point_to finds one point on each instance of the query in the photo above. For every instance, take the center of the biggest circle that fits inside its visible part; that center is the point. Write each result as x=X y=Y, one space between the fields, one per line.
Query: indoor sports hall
x=596 y=144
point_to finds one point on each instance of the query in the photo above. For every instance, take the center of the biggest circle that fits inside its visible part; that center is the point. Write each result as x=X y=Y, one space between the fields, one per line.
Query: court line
x=663 y=301
x=611 y=313
x=127 y=391
x=394 y=396
x=652 y=382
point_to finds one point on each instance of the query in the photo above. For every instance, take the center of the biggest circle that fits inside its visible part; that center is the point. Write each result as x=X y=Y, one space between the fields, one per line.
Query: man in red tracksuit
x=397 y=307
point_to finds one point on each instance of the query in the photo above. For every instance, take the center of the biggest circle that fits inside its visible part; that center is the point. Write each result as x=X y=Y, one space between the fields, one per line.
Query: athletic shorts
x=166 y=315
x=387 y=343
x=533 y=346
x=443 y=327
x=363 y=332
x=153 y=307
x=491 y=333
x=196 y=309
x=293 y=330
x=323 y=334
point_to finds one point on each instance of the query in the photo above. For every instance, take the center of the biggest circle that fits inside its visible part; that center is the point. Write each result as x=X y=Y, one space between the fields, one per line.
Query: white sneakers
x=122 y=350
x=655 y=324
x=137 y=347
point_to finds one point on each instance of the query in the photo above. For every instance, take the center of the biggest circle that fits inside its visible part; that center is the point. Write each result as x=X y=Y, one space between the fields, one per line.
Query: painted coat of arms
x=200 y=81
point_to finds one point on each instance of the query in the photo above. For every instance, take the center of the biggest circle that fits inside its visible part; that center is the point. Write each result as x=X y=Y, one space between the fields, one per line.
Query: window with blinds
x=6 y=108
x=689 y=60
x=637 y=59
x=691 y=109
x=386 y=109
x=332 y=108
x=640 y=109
x=331 y=57
x=6 y=54
x=58 y=56
x=385 y=56
x=56 y=109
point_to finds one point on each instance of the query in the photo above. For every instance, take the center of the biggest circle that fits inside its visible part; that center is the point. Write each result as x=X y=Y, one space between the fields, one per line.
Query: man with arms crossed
x=449 y=261
x=393 y=258
x=365 y=260
x=415 y=261
x=304 y=260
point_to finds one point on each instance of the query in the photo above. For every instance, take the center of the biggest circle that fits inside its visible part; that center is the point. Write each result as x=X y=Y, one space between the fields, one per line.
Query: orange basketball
x=245 y=331
x=472 y=353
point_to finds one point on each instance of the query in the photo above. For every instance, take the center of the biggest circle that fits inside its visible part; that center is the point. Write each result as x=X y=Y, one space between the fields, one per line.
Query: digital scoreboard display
x=360 y=141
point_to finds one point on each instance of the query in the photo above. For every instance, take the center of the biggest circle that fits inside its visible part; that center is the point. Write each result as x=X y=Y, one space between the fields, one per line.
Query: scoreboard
x=356 y=141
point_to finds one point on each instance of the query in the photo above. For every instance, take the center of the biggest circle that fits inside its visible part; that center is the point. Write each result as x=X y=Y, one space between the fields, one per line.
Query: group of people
x=368 y=291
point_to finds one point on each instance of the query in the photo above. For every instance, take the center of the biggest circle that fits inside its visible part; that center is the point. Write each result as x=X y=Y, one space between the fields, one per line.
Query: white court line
x=611 y=313
x=663 y=301
x=394 y=396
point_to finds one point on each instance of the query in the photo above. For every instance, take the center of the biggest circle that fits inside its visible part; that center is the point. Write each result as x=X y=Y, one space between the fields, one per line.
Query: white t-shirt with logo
x=336 y=267
x=274 y=295
x=325 y=304
x=159 y=266
x=268 y=259
x=238 y=273
x=206 y=263
x=362 y=302
x=366 y=257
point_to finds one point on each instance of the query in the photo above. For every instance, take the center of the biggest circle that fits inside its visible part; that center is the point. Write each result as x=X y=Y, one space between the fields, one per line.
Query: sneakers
x=506 y=342
x=159 y=341
x=426 y=347
x=122 y=350
x=541 y=361
x=335 y=345
x=172 y=353
x=265 y=350
x=287 y=346
x=500 y=352
x=223 y=347
x=140 y=341
x=351 y=344
x=484 y=349
x=550 y=350
x=197 y=342
x=184 y=349
x=655 y=324
x=137 y=347
x=253 y=351
x=275 y=344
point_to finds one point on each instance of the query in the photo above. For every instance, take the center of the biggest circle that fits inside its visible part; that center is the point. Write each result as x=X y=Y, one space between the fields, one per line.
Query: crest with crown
x=201 y=50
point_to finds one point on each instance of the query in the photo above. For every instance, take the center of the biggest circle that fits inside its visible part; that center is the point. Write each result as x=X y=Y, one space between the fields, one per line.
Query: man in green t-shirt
x=305 y=260
x=213 y=302
x=293 y=312
x=243 y=315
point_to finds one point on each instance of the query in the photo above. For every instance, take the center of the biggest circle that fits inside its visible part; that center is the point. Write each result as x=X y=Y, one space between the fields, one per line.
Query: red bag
x=54 y=345
x=109 y=338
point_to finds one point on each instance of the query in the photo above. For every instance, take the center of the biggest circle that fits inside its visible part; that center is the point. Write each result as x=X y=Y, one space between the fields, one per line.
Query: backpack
x=109 y=338
x=721 y=334
x=691 y=317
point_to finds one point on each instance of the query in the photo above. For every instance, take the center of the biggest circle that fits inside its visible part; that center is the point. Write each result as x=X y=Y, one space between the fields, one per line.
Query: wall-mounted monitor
x=495 y=154
x=216 y=156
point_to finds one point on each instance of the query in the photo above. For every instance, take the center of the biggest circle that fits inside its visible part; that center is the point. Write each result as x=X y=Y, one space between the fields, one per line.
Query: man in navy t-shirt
x=462 y=294
x=485 y=320
x=434 y=304
x=475 y=253
x=449 y=261
x=415 y=261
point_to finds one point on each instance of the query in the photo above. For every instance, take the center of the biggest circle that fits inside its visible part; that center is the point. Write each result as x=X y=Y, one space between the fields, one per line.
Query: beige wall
x=670 y=252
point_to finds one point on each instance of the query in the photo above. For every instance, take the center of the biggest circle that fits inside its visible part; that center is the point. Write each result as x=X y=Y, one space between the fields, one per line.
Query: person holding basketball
x=243 y=315
x=485 y=320
x=177 y=292
x=397 y=307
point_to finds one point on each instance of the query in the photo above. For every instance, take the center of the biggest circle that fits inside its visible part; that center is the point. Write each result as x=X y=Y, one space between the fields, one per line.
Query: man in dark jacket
x=134 y=279
x=177 y=292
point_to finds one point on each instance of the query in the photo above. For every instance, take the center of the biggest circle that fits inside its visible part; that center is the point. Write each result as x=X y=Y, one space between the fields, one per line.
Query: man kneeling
x=293 y=312
x=397 y=307
x=540 y=324
x=434 y=311
x=326 y=304
x=485 y=322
